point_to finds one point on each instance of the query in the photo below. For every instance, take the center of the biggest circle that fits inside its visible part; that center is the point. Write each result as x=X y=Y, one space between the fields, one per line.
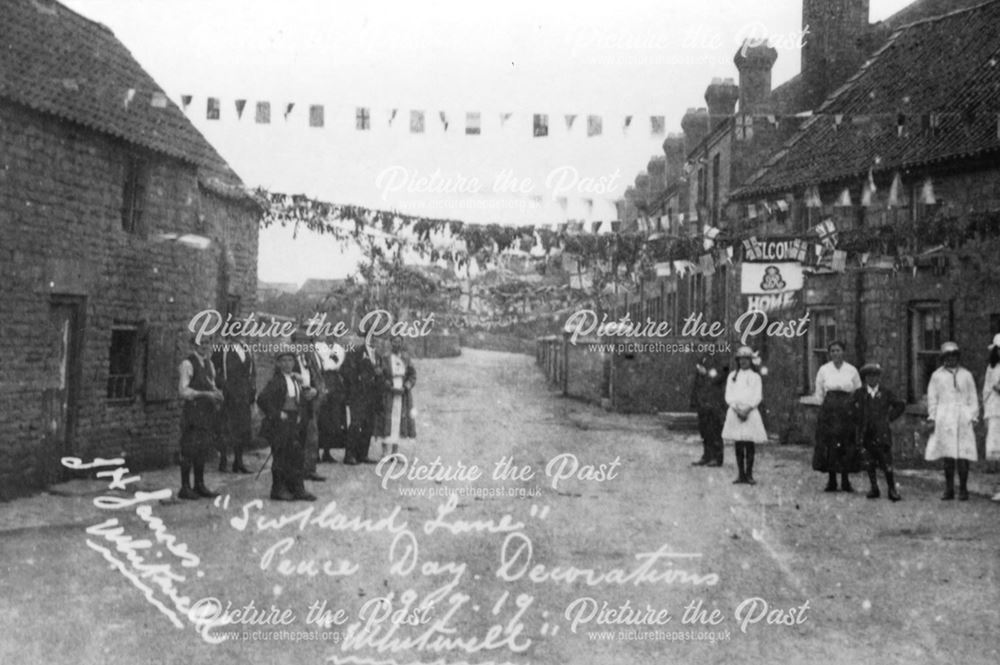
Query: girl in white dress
x=744 y=426
x=953 y=409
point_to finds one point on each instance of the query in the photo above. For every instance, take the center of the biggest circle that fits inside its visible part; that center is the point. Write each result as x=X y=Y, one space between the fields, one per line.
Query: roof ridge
x=946 y=15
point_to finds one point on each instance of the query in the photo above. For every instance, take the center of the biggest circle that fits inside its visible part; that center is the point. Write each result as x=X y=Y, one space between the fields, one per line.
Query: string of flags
x=316 y=117
x=896 y=197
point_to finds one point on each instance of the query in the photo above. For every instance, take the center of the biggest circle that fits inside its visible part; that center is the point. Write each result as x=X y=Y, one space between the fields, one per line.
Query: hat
x=996 y=341
x=285 y=349
x=949 y=347
x=870 y=368
x=744 y=352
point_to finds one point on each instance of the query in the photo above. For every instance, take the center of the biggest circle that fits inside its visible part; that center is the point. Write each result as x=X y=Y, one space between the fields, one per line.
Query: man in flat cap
x=876 y=407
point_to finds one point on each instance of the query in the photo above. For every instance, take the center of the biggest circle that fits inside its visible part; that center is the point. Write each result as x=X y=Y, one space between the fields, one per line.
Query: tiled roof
x=947 y=66
x=57 y=62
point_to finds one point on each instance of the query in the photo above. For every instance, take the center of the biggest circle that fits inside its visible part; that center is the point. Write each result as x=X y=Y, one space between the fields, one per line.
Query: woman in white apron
x=397 y=420
x=953 y=408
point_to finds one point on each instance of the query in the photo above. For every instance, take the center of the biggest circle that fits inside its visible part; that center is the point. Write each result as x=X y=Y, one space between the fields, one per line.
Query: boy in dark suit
x=876 y=407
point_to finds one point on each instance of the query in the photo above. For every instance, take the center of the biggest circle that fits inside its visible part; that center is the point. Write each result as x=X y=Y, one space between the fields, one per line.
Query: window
x=133 y=193
x=702 y=188
x=123 y=362
x=822 y=332
x=926 y=337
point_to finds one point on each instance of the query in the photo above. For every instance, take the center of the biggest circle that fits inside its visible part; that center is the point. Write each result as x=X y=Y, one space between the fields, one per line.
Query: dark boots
x=890 y=480
x=279 y=491
x=238 y=466
x=949 y=479
x=199 y=482
x=831 y=484
x=845 y=483
x=741 y=457
x=745 y=452
x=873 y=493
x=186 y=491
x=963 y=479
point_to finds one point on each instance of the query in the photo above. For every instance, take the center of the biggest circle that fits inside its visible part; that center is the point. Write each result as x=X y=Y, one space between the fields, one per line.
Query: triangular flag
x=504 y=117
x=288 y=110
x=129 y=96
x=444 y=119
x=392 y=115
x=657 y=124
x=812 y=197
x=752 y=211
x=240 y=105
x=570 y=119
x=927 y=193
x=212 y=108
x=782 y=205
x=869 y=189
x=628 y=122
x=896 y=194
x=185 y=102
x=595 y=125
x=158 y=100
x=844 y=200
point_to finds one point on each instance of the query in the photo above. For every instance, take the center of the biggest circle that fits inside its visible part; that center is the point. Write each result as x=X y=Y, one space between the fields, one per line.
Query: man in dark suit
x=363 y=391
x=236 y=375
x=876 y=407
x=281 y=402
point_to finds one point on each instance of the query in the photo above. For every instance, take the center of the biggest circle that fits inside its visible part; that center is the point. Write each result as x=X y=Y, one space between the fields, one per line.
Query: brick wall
x=60 y=222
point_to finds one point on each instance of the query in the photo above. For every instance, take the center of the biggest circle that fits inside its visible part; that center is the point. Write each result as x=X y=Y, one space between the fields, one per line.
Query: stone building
x=118 y=222
x=741 y=128
x=903 y=159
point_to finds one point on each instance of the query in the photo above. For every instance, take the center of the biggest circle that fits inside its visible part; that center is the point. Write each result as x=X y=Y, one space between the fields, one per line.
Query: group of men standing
x=320 y=397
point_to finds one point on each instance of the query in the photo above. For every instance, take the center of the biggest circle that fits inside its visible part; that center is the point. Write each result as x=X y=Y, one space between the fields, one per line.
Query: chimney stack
x=695 y=126
x=754 y=60
x=674 y=154
x=833 y=45
x=721 y=96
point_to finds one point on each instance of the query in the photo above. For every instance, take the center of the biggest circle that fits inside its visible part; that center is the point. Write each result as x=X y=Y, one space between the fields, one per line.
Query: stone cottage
x=118 y=222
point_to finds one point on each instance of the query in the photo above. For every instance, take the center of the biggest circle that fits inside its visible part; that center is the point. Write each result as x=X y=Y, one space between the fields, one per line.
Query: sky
x=636 y=58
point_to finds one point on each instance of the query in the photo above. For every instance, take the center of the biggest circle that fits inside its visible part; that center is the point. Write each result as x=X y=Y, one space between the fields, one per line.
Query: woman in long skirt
x=397 y=420
x=836 y=449
x=744 y=426
x=991 y=406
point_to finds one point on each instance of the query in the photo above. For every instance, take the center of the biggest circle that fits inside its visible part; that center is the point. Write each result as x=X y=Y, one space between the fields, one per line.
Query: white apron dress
x=953 y=405
x=744 y=389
